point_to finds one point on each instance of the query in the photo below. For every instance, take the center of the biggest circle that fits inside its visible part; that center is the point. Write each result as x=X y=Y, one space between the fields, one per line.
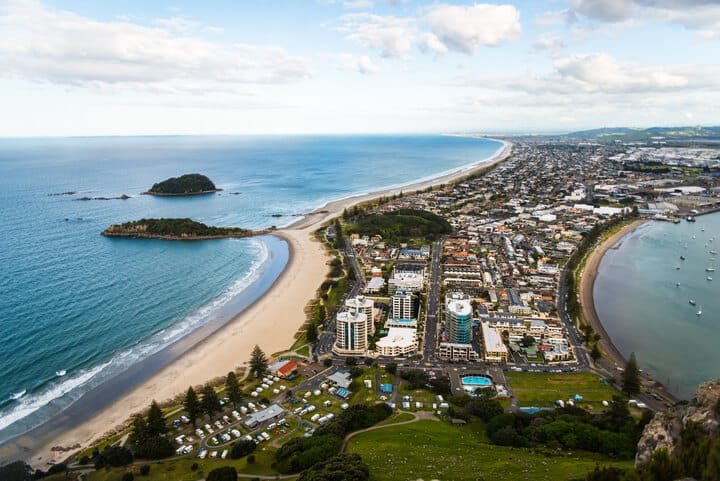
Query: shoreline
x=587 y=302
x=271 y=321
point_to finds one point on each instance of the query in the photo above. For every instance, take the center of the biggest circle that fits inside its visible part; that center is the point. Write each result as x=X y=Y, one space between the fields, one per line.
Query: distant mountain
x=638 y=135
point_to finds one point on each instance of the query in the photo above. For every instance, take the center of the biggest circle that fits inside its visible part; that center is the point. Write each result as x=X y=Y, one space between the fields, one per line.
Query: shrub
x=145 y=469
x=242 y=449
x=226 y=473
x=251 y=459
x=194 y=467
x=128 y=477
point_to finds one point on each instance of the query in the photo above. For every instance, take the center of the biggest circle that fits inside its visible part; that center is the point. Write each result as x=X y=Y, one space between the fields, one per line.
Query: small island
x=176 y=229
x=188 y=184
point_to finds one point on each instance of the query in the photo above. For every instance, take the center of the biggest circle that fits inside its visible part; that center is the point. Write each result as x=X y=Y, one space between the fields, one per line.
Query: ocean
x=645 y=311
x=78 y=310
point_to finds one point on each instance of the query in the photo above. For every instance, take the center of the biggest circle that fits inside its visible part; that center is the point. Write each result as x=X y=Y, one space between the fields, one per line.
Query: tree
x=343 y=467
x=17 y=471
x=631 y=377
x=258 y=362
x=242 y=448
x=391 y=368
x=192 y=405
x=113 y=456
x=527 y=341
x=233 y=389
x=210 y=403
x=312 y=332
x=156 y=421
x=226 y=473
x=595 y=354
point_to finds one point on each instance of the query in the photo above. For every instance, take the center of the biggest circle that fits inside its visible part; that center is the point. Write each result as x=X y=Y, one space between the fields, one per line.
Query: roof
x=263 y=415
x=287 y=368
x=343 y=393
x=493 y=341
x=398 y=336
x=341 y=378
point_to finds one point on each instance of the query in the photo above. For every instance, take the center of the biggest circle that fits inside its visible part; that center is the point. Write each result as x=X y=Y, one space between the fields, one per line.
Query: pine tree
x=312 y=332
x=156 y=422
x=595 y=353
x=258 y=362
x=192 y=405
x=631 y=377
x=233 y=389
x=210 y=403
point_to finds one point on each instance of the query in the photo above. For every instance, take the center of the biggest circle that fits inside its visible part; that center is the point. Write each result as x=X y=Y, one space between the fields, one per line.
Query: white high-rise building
x=351 y=333
x=366 y=306
x=401 y=305
x=458 y=320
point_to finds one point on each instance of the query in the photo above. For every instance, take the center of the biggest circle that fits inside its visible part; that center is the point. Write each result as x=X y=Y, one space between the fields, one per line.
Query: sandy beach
x=587 y=282
x=271 y=323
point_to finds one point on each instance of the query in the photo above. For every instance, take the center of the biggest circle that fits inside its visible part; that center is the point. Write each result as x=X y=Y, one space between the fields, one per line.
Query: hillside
x=402 y=224
x=188 y=184
x=626 y=134
x=174 y=229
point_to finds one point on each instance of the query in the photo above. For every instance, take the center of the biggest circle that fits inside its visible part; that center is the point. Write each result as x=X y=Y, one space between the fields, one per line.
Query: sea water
x=77 y=309
x=643 y=300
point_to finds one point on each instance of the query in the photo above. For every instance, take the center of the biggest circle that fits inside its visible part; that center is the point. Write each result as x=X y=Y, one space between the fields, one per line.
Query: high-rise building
x=364 y=305
x=351 y=333
x=458 y=320
x=402 y=305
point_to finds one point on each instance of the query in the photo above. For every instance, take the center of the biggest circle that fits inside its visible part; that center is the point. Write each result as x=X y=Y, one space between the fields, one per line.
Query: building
x=400 y=341
x=495 y=349
x=366 y=306
x=352 y=333
x=402 y=305
x=458 y=319
x=341 y=379
x=457 y=352
x=261 y=416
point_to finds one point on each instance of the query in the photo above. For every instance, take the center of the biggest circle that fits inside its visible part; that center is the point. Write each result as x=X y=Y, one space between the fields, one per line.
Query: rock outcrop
x=664 y=431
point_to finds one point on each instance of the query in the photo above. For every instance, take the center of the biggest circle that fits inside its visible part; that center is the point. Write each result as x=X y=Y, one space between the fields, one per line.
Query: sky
x=138 y=67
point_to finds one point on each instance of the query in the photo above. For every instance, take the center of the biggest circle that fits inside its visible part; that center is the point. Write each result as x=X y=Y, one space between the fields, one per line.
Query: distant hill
x=188 y=184
x=639 y=135
x=175 y=229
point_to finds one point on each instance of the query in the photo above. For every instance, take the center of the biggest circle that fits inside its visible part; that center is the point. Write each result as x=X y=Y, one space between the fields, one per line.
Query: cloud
x=357 y=63
x=464 y=28
x=442 y=29
x=556 y=17
x=606 y=10
x=392 y=36
x=61 y=47
x=549 y=43
x=359 y=4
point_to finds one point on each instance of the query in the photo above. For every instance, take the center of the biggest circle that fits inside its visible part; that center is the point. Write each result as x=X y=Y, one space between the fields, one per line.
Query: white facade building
x=366 y=306
x=351 y=333
x=400 y=341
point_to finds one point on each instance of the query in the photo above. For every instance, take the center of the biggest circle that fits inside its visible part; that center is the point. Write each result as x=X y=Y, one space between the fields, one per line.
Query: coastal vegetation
x=188 y=184
x=258 y=362
x=148 y=439
x=400 y=225
x=172 y=228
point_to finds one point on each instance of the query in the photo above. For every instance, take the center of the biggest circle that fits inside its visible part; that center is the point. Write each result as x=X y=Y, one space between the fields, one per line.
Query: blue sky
x=74 y=67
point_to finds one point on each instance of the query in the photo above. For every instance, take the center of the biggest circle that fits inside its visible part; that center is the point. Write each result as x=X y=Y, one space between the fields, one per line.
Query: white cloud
x=448 y=27
x=358 y=4
x=464 y=28
x=606 y=10
x=357 y=63
x=550 y=43
x=61 y=47
x=556 y=17
x=393 y=36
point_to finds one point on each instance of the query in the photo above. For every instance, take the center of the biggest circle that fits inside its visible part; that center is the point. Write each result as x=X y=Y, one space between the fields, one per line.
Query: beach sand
x=587 y=282
x=271 y=323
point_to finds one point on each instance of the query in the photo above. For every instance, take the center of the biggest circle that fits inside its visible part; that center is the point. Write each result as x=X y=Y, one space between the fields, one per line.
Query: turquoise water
x=645 y=311
x=73 y=301
x=476 y=381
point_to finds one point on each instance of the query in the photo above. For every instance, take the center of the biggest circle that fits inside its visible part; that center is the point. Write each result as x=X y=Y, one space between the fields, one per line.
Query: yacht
x=709 y=278
x=692 y=302
x=699 y=312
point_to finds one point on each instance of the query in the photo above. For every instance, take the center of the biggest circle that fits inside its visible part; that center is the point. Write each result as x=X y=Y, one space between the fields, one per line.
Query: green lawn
x=436 y=450
x=543 y=389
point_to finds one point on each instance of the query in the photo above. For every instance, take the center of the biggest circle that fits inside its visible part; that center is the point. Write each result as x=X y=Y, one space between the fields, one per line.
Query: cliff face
x=663 y=432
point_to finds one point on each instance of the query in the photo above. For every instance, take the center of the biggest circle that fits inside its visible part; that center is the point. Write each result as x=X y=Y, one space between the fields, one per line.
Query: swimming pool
x=476 y=381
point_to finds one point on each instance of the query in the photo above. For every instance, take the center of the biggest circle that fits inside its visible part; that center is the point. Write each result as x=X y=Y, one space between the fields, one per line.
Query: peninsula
x=176 y=229
x=188 y=184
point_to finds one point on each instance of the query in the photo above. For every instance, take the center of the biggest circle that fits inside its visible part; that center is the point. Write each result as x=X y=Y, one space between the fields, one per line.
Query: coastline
x=271 y=322
x=587 y=284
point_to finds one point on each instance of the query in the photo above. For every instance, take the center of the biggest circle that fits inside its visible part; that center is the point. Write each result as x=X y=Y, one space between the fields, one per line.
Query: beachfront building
x=402 y=305
x=495 y=349
x=458 y=319
x=366 y=306
x=408 y=278
x=351 y=333
x=451 y=351
x=400 y=341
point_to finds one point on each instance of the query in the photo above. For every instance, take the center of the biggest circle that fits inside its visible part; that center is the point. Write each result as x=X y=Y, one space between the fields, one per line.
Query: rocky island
x=188 y=184
x=176 y=229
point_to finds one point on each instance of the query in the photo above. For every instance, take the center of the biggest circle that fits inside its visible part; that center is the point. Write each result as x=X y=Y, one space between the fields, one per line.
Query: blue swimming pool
x=476 y=381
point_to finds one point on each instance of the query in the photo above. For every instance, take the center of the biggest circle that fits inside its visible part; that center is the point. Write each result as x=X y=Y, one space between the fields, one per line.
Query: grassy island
x=188 y=184
x=175 y=229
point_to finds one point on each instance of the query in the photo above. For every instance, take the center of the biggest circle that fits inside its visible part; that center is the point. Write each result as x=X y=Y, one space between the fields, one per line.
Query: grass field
x=435 y=450
x=543 y=389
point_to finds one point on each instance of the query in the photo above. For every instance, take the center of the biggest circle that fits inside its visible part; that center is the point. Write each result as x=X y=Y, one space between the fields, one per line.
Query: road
x=433 y=301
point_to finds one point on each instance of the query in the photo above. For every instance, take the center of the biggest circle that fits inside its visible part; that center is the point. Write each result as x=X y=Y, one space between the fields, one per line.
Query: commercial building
x=400 y=341
x=351 y=333
x=451 y=351
x=458 y=319
x=495 y=349
x=366 y=306
x=402 y=305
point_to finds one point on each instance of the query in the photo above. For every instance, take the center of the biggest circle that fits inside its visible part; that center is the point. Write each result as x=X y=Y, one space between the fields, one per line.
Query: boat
x=699 y=312
x=682 y=258
x=690 y=218
x=692 y=302
x=709 y=269
x=677 y=284
x=60 y=373
x=709 y=278
x=677 y=268
x=17 y=395
x=713 y=253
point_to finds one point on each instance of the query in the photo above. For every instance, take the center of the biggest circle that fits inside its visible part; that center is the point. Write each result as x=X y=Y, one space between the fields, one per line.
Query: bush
x=327 y=362
x=128 y=477
x=145 y=469
x=194 y=467
x=113 y=456
x=242 y=449
x=343 y=467
x=226 y=473
x=251 y=459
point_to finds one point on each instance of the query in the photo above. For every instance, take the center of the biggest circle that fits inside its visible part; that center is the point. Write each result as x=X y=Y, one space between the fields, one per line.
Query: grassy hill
x=401 y=225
